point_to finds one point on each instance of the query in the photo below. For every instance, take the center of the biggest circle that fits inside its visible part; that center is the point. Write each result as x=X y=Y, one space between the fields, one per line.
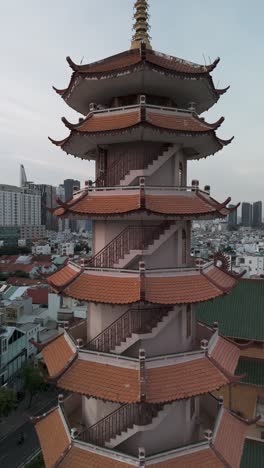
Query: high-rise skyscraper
x=48 y=200
x=246 y=214
x=257 y=214
x=71 y=185
x=232 y=217
x=19 y=206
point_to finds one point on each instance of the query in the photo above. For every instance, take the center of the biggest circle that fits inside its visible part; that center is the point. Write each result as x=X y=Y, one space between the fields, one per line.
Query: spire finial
x=141 y=26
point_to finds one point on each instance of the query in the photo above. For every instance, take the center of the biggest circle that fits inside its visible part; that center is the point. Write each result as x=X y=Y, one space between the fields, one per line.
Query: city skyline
x=30 y=110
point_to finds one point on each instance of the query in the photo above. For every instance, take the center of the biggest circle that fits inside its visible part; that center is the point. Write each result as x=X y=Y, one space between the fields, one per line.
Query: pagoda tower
x=141 y=377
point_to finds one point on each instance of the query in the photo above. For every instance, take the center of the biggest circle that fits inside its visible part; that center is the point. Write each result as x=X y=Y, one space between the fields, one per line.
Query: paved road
x=13 y=454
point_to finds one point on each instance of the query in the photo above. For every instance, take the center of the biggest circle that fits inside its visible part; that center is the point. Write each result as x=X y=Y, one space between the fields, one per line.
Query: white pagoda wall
x=175 y=430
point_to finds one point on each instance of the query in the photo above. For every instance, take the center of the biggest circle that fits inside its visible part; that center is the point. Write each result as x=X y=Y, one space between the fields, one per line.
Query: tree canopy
x=7 y=401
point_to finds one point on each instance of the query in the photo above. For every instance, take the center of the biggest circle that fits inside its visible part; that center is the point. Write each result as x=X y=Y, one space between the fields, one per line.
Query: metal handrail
x=132 y=321
x=131 y=238
x=119 y=421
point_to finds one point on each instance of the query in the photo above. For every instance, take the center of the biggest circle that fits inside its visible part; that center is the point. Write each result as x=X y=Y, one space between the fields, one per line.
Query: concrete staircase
x=134 y=337
x=152 y=247
x=131 y=431
x=150 y=169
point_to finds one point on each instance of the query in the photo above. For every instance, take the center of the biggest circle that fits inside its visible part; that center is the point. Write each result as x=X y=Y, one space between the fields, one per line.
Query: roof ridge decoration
x=141 y=26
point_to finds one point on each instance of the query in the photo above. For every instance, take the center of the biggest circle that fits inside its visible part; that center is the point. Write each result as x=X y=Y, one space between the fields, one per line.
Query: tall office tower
x=232 y=217
x=141 y=381
x=19 y=206
x=70 y=186
x=48 y=195
x=257 y=214
x=246 y=214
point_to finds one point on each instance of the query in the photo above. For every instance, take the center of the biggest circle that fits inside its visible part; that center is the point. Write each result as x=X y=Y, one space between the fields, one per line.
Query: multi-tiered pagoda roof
x=141 y=376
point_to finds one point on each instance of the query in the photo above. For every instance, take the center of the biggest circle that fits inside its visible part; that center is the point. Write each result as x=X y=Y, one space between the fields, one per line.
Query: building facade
x=246 y=214
x=232 y=217
x=140 y=379
x=257 y=214
x=19 y=206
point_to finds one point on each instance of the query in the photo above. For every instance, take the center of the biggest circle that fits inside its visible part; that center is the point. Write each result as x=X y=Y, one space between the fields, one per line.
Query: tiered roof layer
x=112 y=381
x=114 y=288
x=58 y=448
x=180 y=204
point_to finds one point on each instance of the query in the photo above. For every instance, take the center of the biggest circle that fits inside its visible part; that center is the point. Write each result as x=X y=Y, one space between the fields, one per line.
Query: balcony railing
x=132 y=321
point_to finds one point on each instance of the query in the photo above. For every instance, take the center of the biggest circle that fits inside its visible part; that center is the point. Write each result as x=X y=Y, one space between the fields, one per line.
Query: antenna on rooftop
x=81 y=60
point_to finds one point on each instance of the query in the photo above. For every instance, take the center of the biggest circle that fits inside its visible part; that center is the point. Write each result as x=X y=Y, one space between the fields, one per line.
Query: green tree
x=7 y=401
x=33 y=382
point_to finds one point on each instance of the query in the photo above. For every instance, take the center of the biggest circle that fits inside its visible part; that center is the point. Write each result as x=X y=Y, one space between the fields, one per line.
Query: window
x=192 y=407
x=188 y=321
x=4 y=346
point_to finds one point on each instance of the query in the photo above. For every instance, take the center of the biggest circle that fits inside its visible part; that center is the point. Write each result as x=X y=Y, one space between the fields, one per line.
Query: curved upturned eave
x=89 y=71
x=75 y=129
x=210 y=283
x=212 y=208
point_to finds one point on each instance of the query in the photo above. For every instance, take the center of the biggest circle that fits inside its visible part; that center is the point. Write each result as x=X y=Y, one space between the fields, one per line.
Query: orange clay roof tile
x=105 y=289
x=226 y=355
x=107 y=204
x=109 y=121
x=163 y=384
x=221 y=277
x=63 y=276
x=80 y=458
x=102 y=381
x=57 y=355
x=176 y=64
x=178 y=205
x=183 y=380
x=182 y=288
x=132 y=57
x=53 y=437
x=204 y=458
x=230 y=438
x=179 y=289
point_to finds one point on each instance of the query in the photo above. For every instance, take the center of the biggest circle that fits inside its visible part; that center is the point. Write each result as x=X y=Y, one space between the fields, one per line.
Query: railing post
x=142 y=374
x=142 y=457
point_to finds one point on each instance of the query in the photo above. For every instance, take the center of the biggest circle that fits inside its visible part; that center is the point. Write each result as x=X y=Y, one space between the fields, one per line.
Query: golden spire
x=141 y=26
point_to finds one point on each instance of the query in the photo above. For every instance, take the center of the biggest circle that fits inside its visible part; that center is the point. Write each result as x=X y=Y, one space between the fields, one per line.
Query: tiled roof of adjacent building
x=239 y=314
x=253 y=370
x=253 y=454
x=53 y=437
x=39 y=295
